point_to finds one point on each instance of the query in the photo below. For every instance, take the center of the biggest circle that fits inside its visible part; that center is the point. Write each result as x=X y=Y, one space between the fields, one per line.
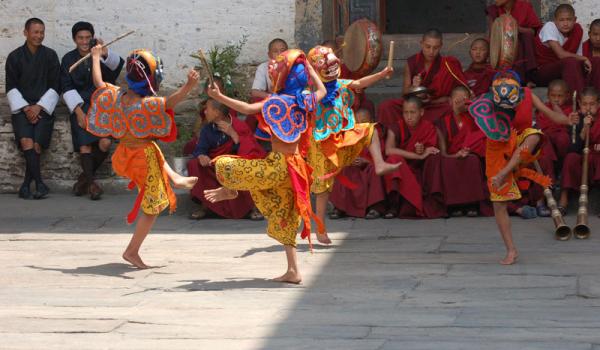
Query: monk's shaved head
x=590 y=92
x=558 y=84
x=433 y=33
x=595 y=24
x=564 y=8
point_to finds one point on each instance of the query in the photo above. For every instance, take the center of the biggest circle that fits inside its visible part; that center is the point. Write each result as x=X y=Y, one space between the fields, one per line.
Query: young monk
x=591 y=50
x=336 y=137
x=367 y=199
x=529 y=25
x=462 y=146
x=559 y=52
x=428 y=68
x=415 y=189
x=480 y=74
x=572 y=167
x=279 y=183
x=136 y=117
x=505 y=115
x=222 y=134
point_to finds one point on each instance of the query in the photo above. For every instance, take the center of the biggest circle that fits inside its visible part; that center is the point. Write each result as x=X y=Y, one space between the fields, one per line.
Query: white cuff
x=16 y=101
x=48 y=101
x=72 y=99
x=112 y=60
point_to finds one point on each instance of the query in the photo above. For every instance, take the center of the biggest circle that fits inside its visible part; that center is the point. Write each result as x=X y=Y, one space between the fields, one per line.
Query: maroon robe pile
x=593 y=78
x=480 y=80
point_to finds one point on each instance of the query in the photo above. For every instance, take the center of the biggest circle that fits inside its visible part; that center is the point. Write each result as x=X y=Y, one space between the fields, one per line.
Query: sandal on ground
x=372 y=214
x=562 y=210
x=457 y=213
x=472 y=213
x=390 y=214
x=528 y=212
x=335 y=214
x=543 y=211
x=198 y=214
x=255 y=215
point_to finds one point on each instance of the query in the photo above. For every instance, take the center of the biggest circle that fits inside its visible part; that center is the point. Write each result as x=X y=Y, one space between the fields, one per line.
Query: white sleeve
x=550 y=32
x=72 y=99
x=48 y=101
x=112 y=60
x=259 y=78
x=16 y=101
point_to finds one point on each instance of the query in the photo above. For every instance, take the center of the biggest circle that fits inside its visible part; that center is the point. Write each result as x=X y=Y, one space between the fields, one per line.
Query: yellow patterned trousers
x=269 y=184
x=343 y=149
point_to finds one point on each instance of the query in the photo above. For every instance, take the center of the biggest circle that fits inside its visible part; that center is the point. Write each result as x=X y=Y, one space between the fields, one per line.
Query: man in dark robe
x=32 y=89
x=77 y=88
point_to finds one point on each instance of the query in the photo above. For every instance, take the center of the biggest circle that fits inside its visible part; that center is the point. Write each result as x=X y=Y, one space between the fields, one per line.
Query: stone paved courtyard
x=385 y=284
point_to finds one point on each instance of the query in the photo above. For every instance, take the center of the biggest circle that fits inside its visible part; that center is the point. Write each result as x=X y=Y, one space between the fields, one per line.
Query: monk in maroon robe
x=591 y=50
x=480 y=74
x=559 y=51
x=572 y=167
x=367 y=200
x=415 y=189
x=462 y=147
x=440 y=74
x=222 y=134
x=529 y=25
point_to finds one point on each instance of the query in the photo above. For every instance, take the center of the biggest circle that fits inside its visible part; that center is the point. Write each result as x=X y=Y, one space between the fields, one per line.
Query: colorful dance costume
x=280 y=183
x=337 y=140
x=137 y=156
x=505 y=117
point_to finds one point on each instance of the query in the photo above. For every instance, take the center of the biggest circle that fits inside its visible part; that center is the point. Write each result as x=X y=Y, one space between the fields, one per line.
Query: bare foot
x=182 y=182
x=290 y=276
x=323 y=238
x=220 y=194
x=135 y=260
x=386 y=168
x=511 y=258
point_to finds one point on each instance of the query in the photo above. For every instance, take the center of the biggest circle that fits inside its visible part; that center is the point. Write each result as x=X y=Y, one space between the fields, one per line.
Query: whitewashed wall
x=173 y=28
x=587 y=11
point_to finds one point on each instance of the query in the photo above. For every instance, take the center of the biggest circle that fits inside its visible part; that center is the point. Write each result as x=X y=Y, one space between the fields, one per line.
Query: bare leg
x=183 y=182
x=321 y=201
x=142 y=228
x=503 y=222
x=292 y=275
x=529 y=143
x=220 y=194
x=381 y=167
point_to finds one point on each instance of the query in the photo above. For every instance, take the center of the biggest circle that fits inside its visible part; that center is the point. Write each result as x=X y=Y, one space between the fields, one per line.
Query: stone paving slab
x=384 y=284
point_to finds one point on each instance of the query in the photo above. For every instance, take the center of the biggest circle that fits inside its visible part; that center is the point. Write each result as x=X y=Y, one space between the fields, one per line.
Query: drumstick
x=467 y=36
x=390 y=57
x=211 y=81
x=81 y=60
x=458 y=79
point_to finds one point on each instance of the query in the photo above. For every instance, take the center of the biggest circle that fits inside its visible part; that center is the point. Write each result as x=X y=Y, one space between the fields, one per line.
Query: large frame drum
x=504 y=42
x=362 y=48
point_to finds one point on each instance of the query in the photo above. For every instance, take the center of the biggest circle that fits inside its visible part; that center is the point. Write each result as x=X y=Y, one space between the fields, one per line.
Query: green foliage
x=222 y=61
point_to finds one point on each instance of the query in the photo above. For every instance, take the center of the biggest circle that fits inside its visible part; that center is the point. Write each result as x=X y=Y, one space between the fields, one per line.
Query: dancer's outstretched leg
x=503 y=222
x=292 y=275
x=321 y=200
x=182 y=182
x=381 y=167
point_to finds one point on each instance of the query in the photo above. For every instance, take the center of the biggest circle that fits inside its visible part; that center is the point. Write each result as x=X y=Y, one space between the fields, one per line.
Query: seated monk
x=367 y=200
x=222 y=134
x=591 y=50
x=480 y=74
x=558 y=140
x=559 y=51
x=415 y=188
x=462 y=146
x=589 y=104
x=529 y=25
x=440 y=74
